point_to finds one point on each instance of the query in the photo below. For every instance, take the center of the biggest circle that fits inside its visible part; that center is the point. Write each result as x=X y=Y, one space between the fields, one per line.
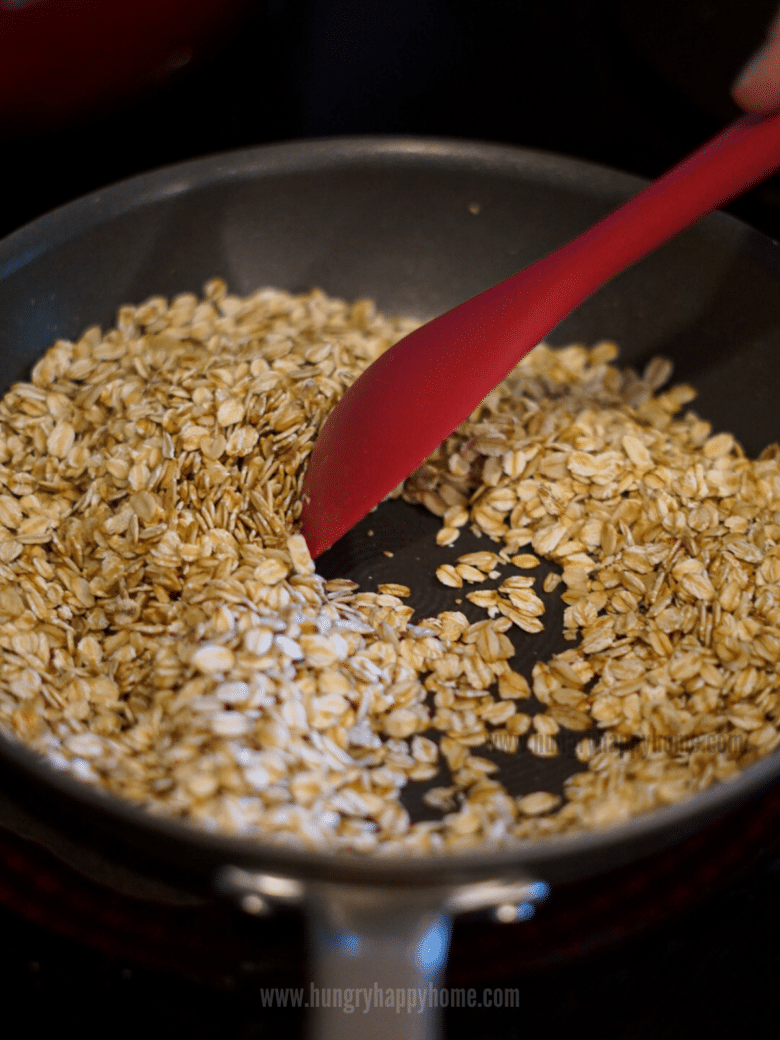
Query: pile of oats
x=668 y=540
x=164 y=634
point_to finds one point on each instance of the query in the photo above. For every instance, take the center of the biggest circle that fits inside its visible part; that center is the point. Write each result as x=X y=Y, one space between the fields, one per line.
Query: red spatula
x=413 y=396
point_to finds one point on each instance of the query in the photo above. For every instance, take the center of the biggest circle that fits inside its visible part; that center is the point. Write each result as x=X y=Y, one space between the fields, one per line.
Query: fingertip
x=757 y=87
x=757 y=93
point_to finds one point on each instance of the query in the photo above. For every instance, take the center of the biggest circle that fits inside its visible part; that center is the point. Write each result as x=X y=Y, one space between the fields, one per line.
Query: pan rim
x=165 y=182
x=376 y=868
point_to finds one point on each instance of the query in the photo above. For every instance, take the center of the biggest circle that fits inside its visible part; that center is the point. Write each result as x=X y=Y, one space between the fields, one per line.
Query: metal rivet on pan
x=505 y=900
x=254 y=904
x=508 y=913
x=257 y=893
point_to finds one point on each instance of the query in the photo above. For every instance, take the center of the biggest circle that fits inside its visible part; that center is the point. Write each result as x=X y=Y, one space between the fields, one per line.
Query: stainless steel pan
x=418 y=225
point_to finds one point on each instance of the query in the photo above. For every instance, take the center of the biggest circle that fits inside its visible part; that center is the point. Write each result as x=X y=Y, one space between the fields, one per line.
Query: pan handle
x=378 y=952
x=381 y=953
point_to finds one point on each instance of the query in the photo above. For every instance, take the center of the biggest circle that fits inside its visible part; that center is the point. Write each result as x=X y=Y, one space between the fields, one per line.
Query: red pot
x=61 y=59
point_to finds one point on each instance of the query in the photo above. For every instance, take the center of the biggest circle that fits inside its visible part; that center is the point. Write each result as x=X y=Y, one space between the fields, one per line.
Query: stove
x=680 y=945
x=675 y=944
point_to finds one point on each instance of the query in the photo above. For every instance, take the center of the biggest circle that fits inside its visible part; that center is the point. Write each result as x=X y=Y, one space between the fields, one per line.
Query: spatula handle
x=739 y=157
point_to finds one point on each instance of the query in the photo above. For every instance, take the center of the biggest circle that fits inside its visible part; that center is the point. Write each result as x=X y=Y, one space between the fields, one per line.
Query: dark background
x=627 y=83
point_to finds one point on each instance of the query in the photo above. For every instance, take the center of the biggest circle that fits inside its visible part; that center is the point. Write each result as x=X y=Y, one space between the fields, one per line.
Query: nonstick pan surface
x=418 y=225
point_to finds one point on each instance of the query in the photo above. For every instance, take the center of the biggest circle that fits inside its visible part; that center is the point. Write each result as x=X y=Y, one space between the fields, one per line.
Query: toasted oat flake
x=537 y=803
x=447 y=535
x=483 y=561
x=551 y=582
x=393 y=589
x=210 y=659
x=230 y=412
x=448 y=575
x=526 y=560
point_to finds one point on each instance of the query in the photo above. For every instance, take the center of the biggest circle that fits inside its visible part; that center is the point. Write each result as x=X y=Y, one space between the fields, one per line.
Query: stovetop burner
x=64 y=930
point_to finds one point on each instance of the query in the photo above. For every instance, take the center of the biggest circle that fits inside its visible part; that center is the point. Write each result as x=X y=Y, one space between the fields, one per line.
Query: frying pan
x=418 y=225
